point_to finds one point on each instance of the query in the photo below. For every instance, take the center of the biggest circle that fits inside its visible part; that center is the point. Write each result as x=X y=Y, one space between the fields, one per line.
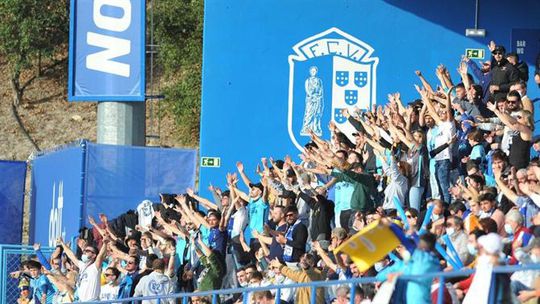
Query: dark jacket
x=298 y=242
x=364 y=187
x=322 y=213
x=504 y=75
x=523 y=70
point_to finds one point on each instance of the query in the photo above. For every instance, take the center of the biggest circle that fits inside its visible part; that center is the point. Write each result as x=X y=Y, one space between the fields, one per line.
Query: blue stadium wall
x=247 y=74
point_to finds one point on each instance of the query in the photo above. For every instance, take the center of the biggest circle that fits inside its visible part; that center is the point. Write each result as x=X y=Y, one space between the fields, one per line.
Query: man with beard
x=307 y=273
x=295 y=238
x=503 y=72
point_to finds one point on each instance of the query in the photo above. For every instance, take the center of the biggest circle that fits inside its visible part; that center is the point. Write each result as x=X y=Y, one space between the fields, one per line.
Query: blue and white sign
x=331 y=69
x=107 y=50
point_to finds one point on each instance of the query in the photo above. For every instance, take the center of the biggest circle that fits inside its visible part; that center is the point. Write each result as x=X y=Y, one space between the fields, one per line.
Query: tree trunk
x=16 y=88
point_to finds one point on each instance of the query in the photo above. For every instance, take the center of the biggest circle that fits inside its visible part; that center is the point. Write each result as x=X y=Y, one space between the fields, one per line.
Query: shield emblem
x=339 y=117
x=342 y=78
x=324 y=79
x=360 y=79
x=351 y=97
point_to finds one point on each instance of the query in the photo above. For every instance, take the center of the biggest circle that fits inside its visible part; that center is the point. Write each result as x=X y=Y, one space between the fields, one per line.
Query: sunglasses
x=109 y=274
x=289 y=214
x=497 y=53
x=511 y=101
x=89 y=250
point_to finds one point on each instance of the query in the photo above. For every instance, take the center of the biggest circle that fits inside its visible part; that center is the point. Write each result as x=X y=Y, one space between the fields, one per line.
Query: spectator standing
x=88 y=283
x=295 y=238
x=110 y=290
x=43 y=290
x=503 y=72
x=155 y=284
x=307 y=273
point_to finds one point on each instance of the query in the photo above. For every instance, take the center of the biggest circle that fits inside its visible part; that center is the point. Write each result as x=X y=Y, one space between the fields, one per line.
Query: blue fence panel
x=12 y=182
x=118 y=178
x=56 y=194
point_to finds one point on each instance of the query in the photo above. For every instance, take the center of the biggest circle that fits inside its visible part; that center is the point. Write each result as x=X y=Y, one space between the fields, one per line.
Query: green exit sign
x=213 y=162
x=474 y=53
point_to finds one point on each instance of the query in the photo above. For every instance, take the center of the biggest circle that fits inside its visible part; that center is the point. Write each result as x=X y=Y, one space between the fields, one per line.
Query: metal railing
x=214 y=294
x=12 y=255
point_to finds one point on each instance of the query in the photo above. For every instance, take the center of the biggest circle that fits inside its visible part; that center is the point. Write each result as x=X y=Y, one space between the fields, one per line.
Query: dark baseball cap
x=257 y=185
x=499 y=48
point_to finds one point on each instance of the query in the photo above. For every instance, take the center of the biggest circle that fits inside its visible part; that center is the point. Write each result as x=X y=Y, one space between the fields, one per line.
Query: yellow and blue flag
x=370 y=245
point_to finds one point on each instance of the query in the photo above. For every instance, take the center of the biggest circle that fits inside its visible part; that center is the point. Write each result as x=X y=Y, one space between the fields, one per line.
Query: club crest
x=328 y=72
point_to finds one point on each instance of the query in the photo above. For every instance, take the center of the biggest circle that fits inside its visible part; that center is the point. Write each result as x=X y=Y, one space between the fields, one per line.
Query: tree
x=32 y=30
x=179 y=32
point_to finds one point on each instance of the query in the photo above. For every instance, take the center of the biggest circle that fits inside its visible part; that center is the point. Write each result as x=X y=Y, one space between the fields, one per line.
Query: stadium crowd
x=453 y=169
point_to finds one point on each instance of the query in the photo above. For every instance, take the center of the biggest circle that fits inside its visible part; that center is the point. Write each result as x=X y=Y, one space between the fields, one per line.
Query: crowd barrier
x=12 y=255
x=214 y=294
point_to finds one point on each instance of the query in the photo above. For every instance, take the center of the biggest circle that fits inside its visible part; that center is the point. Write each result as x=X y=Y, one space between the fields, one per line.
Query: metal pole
x=440 y=297
x=476 y=14
x=352 y=294
x=313 y=295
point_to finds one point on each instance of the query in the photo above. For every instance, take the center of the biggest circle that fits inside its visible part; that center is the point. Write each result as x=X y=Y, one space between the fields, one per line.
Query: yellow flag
x=369 y=245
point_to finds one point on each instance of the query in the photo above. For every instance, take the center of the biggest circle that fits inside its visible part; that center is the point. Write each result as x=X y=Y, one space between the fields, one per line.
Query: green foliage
x=179 y=31
x=32 y=28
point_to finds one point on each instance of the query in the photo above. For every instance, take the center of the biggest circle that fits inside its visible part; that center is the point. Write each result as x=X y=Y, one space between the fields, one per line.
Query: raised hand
x=418 y=73
x=275 y=263
x=491 y=46
x=316 y=245
x=92 y=221
x=491 y=106
x=190 y=192
x=240 y=166
x=36 y=246
x=103 y=218
x=462 y=69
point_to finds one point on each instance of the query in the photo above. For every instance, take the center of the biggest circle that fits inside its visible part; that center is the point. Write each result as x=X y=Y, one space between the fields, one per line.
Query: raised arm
x=100 y=230
x=205 y=202
x=425 y=84
x=462 y=70
x=243 y=175
x=429 y=105
x=508 y=120
x=326 y=259
x=102 y=254
x=506 y=191
x=376 y=146
x=69 y=253
x=450 y=113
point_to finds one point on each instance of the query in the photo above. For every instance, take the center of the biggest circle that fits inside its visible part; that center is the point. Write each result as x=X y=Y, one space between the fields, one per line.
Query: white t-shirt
x=240 y=221
x=88 y=282
x=438 y=136
x=109 y=292
x=146 y=213
x=155 y=284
